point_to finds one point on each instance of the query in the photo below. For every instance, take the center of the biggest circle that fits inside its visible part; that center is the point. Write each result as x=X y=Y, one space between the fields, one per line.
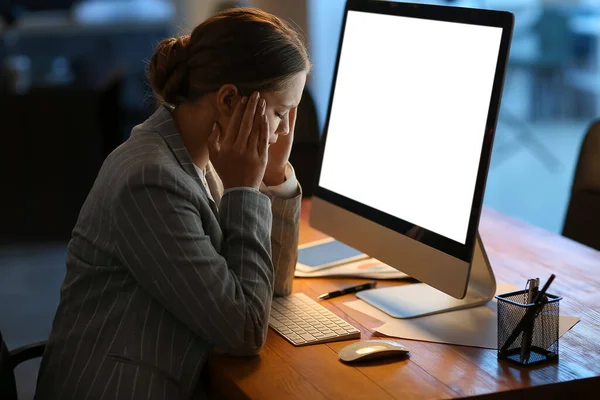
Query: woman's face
x=280 y=103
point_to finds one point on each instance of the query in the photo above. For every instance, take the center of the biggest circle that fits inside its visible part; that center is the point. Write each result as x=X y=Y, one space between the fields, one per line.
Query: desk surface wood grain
x=517 y=251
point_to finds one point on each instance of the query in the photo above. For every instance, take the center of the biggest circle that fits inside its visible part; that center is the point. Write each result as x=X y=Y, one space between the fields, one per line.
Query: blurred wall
x=324 y=34
x=295 y=11
x=190 y=13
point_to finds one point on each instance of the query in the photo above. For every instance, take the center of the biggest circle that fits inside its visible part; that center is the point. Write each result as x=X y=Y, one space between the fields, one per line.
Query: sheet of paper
x=369 y=268
x=477 y=327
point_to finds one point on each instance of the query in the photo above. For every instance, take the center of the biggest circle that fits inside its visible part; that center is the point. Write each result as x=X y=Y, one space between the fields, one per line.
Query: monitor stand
x=418 y=299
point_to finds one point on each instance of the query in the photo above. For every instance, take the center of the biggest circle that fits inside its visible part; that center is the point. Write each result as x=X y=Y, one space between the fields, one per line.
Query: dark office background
x=72 y=85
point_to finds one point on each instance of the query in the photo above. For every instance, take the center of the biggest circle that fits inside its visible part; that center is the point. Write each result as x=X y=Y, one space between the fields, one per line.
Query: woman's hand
x=279 y=154
x=240 y=154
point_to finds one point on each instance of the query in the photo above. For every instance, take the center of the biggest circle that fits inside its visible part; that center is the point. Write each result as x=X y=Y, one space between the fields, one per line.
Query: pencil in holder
x=537 y=342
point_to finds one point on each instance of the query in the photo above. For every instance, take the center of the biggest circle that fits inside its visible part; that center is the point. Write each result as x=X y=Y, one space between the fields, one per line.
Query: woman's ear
x=227 y=98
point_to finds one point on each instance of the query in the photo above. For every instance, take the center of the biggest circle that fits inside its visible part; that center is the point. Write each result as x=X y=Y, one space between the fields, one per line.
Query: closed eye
x=280 y=115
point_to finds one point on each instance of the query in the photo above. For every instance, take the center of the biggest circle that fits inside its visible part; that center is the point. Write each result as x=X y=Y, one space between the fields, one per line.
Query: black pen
x=540 y=299
x=533 y=287
x=351 y=289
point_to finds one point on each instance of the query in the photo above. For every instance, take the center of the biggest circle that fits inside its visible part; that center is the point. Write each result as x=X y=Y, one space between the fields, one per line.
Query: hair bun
x=177 y=48
x=168 y=69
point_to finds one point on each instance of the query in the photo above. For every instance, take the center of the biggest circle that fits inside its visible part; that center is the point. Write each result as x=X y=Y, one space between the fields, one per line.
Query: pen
x=351 y=289
x=540 y=294
x=536 y=285
x=533 y=286
x=529 y=287
x=539 y=301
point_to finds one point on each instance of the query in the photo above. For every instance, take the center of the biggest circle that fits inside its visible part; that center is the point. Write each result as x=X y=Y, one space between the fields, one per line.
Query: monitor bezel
x=500 y=19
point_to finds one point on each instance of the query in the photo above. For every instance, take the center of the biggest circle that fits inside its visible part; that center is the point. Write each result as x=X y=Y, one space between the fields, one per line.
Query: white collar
x=200 y=172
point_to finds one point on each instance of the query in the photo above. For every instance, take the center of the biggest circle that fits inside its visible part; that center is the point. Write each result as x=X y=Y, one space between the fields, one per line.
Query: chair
x=582 y=222
x=9 y=361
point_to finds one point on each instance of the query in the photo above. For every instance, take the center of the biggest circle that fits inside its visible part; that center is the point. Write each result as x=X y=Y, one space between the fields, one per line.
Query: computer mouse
x=371 y=350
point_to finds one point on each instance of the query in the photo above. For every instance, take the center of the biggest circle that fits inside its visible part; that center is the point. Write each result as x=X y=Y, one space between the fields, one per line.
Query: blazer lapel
x=166 y=127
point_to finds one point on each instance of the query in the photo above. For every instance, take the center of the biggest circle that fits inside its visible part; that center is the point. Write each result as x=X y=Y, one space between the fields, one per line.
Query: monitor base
x=418 y=299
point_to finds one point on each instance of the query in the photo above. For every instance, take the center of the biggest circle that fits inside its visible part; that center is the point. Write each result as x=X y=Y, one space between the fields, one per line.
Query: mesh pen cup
x=538 y=343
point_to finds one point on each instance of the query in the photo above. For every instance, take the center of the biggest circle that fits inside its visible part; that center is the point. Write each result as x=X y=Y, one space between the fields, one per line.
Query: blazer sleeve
x=284 y=240
x=224 y=299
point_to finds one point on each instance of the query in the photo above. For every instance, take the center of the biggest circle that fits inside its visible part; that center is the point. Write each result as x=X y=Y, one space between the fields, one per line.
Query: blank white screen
x=408 y=117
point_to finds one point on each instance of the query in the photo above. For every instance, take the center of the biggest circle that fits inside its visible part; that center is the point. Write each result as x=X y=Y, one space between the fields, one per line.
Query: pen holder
x=543 y=337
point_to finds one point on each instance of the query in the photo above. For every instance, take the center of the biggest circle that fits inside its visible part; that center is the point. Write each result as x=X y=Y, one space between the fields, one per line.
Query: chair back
x=582 y=222
x=8 y=387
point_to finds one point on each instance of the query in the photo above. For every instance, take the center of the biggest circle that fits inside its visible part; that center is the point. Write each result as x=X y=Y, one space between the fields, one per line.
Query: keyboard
x=302 y=321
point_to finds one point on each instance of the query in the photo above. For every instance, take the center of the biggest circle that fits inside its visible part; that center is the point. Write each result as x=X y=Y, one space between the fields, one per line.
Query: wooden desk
x=517 y=251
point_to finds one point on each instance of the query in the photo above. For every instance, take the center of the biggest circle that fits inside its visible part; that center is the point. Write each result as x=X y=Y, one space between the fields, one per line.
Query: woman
x=192 y=223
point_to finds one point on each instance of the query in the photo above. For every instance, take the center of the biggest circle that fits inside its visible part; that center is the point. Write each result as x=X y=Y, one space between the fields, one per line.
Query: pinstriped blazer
x=158 y=274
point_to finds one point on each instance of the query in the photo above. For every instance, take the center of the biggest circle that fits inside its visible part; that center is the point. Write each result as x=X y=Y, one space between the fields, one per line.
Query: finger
x=293 y=118
x=263 y=143
x=257 y=128
x=214 y=145
x=246 y=124
x=233 y=128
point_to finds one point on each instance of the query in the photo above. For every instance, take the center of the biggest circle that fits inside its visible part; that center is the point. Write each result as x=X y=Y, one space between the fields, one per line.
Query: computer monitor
x=407 y=145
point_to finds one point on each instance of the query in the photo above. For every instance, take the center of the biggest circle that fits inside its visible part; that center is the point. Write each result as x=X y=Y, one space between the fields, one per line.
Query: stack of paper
x=367 y=268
